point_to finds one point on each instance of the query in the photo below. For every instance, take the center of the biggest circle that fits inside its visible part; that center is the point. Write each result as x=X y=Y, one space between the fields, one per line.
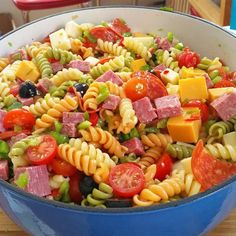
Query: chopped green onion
x=217 y=79
x=179 y=46
x=60 y=138
x=84 y=125
x=104 y=23
x=127 y=34
x=134 y=133
x=170 y=37
x=145 y=67
x=213 y=74
x=103 y=94
x=4 y=149
x=22 y=180
x=86 y=115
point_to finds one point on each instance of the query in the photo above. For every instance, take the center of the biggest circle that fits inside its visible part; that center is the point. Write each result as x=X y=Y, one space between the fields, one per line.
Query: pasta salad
x=102 y=116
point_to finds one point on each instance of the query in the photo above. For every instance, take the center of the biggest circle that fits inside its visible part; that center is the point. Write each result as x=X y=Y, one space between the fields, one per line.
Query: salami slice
x=155 y=87
x=208 y=170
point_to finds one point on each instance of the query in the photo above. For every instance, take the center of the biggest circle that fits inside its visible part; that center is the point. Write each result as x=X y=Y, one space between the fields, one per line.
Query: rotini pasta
x=43 y=64
x=179 y=151
x=36 y=48
x=153 y=140
x=4 y=62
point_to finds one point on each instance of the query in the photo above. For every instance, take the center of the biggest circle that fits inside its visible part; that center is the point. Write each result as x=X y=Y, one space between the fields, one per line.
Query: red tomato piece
x=104 y=60
x=14 y=90
x=120 y=26
x=201 y=105
x=19 y=117
x=188 y=59
x=208 y=170
x=126 y=179
x=224 y=83
x=164 y=167
x=89 y=44
x=61 y=167
x=55 y=193
x=136 y=88
x=74 y=192
x=43 y=153
x=104 y=33
x=155 y=87
x=93 y=118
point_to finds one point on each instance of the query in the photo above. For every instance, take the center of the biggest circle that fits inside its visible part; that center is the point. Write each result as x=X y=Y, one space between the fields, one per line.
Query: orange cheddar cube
x=27 y=71
x=137 y=65
x=183 y=128
x=193 y=88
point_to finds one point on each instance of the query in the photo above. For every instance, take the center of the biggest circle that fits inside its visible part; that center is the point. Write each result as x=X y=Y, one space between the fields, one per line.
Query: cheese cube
x=193 y=88
x=172 y=89
x=59 y=39
x=183 y=130
x=190 y=72
x=147 y=41
x=137 y=65
x=230 y=139
x=170 y=76
x=73 y=30
x=215 y=93
x=92 y=60
x=27 y=71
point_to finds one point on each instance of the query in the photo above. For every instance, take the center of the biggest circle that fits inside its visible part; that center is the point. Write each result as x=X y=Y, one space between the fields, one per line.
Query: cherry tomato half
x=201 y=105
x=155 y=87
x=19 y=117
x=188 y=59
x=164 y=167
x=224 y=83
x=136 y=88
x=61 y=167
x=74 y=192
x=126 y=179
x=43 y=153
x=104 y=33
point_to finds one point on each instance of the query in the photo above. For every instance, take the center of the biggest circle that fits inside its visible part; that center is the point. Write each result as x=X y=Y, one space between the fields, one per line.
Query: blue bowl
x=191 y=216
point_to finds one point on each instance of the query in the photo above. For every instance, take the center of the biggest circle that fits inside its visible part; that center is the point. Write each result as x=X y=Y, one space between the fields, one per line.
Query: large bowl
x=192 y=216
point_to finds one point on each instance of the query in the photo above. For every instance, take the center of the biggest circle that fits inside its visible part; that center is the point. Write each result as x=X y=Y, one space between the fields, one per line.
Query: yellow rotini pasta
x=66 y=104
x=226 y=152
x=115 y=89
x=125 y=76
x=137 y=47
x=127 y=113
x=113 y=64
x=154 y=193
x=4 y=62
x=43 y=105
x=102 y=173
x=149 y=174
x=109 y=142
x=36 y=48
x=150 y=157
x=165 y=58
x=4 y=90
x=8 y=74
x=192 y=186
x=66 y=75
x=153 y=140
x=112 y=48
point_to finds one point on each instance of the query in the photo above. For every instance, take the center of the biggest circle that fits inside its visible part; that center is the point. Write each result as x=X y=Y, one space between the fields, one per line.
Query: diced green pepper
x=4 y=149
x=60 y=138
x=179 y=46
x=64 y=192
x=22 y=180
x=58 y=126
x=86 y=115
x=103 y=94
x=170 y=37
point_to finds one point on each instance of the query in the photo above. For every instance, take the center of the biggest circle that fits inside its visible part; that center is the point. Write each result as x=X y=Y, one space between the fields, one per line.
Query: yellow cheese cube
x=27 y=71
x=172 y=89
x=190 y=72
x=218 y=92
x=193 y=88
x=183 y=130
x=137 y=65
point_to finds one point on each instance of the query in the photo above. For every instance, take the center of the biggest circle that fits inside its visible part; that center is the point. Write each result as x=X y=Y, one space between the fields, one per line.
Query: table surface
x=226 y=228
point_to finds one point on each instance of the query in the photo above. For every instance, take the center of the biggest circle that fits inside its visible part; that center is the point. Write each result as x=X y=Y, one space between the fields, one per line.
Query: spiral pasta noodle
x=125 y=76
x=165 y=58
x=226 y=152
x=154 y=193
x=62 y=89
x=115 y=89
x=150 y=157
x=54 y=113
x=137 y=47
x=66 y=75
x=8 y=74
x=113 y=64
x=4 y=62
x=127 y=113
x=109 y=142
x=98 y=196
x=149 y=174
x=179 y=151
x=192 y=186
x=112 y=48
x=4 y=90
x=36 y=48
x=43 y=105
x=43 y=64
x=17 y=152
x=159 y=140
x=62 y=55
x=7 y=101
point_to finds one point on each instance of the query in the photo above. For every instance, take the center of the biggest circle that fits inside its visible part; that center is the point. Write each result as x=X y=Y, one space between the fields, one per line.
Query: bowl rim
x=128 y=210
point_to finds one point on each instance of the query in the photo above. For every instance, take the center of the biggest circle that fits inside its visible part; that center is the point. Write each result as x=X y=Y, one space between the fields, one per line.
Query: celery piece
x=170 y=36
x=86 y=115
x=179 y=46
x=103 y=94
x=84 y=125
